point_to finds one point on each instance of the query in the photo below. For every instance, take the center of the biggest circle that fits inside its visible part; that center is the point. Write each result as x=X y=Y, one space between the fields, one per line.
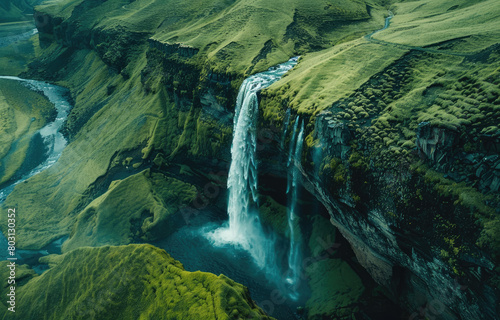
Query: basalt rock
x=443 y=150
x=173 y=48
x=334 y=136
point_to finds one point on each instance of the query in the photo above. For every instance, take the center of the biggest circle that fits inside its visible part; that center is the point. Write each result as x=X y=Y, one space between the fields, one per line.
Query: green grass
x=326 y=76
x=231 y=36
x=137 y=208
x=274 y=214
x=128 y=282
x=422 y=23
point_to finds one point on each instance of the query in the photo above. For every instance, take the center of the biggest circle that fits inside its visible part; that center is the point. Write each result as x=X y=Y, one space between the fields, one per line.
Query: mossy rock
x=336 y=290
x=274 y=214
x=138 y=208
x=130 y=282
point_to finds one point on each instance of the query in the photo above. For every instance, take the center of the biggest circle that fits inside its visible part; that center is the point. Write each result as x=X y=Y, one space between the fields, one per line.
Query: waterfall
x=292 y=191
x=292 y=142
x=244 y=227
x=285 y=127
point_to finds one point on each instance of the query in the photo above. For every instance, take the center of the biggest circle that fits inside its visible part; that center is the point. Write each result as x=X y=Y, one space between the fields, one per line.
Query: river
x=55 y=143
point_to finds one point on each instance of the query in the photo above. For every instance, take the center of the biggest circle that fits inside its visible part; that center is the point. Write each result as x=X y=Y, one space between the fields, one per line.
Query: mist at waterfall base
x=244 y=229
x=196 y=252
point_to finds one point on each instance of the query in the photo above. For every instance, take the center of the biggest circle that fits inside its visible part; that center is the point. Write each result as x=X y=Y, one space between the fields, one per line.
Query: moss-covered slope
x=459 y=28
x=138 y=208
x=129 y=282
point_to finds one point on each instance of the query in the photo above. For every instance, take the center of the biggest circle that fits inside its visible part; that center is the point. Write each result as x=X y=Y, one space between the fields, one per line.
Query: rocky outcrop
x=334 y=136
x=444 y=151
x=396 y=258
x=173 y=48
x=416 y=280
x=436 y=144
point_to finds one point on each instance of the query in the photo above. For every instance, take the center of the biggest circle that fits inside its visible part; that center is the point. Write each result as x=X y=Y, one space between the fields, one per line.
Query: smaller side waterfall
x=292 y=141
x=294 y=176
x=285 y=127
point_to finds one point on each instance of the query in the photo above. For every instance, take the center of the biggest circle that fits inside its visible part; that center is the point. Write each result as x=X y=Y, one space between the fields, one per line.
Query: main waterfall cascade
x=244 y=228
x=294 y=175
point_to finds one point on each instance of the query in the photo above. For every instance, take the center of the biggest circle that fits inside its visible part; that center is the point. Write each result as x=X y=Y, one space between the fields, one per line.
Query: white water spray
x=292 y=191
x=285 y=127
x=244 y=228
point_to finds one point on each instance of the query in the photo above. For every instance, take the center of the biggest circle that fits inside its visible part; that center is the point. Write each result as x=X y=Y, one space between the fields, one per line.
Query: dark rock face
x=435 y=143
x=395 y=260
x=442 y=149
x=391 y=234
x=334 y=136
x=115 y=46
x=168 y=49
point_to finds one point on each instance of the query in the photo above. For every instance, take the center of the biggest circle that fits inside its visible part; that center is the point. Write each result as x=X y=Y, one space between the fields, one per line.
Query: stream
x=386 y=25
x=54 y=142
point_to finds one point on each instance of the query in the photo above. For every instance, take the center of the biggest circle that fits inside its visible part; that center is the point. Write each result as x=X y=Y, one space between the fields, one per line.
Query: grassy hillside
x=325 y=76
x=427 y=23
x=17 y=10
x=128 y=282
x=137 y=208
x=234 y=36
